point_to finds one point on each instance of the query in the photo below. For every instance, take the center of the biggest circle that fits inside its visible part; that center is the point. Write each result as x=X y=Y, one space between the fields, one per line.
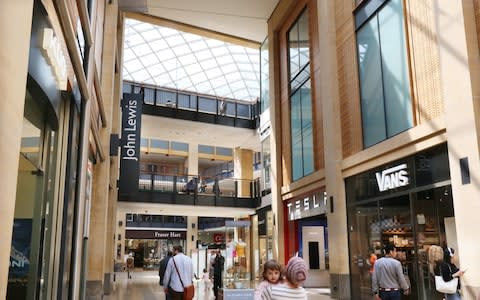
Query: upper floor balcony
x=191 y=106
x=220 y=190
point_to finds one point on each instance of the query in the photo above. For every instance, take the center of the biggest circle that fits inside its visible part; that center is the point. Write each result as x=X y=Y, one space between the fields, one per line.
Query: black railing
x=197 y=107
x=189 y=190
x=190 y=184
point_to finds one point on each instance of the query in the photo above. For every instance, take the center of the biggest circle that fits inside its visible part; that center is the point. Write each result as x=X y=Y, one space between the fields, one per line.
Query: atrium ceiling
x=222 y=62
x=246 y=19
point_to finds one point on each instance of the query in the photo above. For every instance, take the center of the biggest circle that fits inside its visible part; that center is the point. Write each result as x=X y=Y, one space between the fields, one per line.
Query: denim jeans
x=390 y=295
x=455 y=296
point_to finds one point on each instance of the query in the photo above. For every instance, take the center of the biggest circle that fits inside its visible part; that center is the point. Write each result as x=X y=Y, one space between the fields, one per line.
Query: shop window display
x=236 y=278
x=418 y=224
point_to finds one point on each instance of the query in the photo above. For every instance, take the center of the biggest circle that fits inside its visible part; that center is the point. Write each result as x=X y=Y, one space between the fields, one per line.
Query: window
x=266 y=161
x=264 y=76
x=300 y=98
x=383 y=69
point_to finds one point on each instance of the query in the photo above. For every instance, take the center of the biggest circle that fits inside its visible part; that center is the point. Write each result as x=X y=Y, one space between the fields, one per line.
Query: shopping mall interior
x=261 y=130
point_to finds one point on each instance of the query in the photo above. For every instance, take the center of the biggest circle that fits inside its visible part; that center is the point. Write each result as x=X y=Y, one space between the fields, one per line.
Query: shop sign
x=130 y=143
x=392 y=178
x=51 y=49
x=218 y=237
x=308 y=206
x=155 y=234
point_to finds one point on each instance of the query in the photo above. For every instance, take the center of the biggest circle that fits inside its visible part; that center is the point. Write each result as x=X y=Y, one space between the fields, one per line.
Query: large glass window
x=30 y=264
x=300 y=98
x=264 y=76
x=417 y=223
x=383 y=70
x=266 y=162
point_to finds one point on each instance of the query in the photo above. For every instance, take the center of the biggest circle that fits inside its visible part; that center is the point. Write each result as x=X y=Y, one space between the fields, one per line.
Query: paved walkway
x=144 y=285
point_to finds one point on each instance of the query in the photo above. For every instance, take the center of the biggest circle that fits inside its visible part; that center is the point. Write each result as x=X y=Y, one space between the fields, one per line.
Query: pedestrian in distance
x=130 y=265
x=388 y=281
x=206 y=282
x=218 y=266
x=162 y=269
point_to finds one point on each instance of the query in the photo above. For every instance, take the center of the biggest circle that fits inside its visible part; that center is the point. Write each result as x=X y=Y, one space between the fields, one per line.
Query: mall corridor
x=241 y=132
x=144 y=286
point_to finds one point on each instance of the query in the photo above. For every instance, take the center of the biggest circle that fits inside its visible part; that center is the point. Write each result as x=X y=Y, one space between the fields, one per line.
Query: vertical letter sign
x=130 y=143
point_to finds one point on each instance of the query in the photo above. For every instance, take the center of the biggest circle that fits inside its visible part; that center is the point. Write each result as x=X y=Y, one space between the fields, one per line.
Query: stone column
x=192 y=230
x=100 y=250
x=192 y=160
x=335 y=187
x=460 y=68
x=243 y=170
x=120 y=230
x=15 y=29
x=278 y=229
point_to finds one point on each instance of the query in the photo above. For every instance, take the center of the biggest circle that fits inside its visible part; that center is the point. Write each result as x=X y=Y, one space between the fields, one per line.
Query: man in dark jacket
x=217 y=272
x=163 y=267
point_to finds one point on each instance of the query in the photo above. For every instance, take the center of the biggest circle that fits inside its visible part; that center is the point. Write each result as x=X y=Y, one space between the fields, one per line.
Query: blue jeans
x=390 y=295
x=455 y=296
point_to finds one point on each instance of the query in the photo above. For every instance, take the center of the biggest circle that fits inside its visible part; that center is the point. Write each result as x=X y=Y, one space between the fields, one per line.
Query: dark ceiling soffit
x=139 y=6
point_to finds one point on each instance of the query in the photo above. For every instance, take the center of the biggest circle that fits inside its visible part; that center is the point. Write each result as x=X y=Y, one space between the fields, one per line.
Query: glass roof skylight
x=170 y=58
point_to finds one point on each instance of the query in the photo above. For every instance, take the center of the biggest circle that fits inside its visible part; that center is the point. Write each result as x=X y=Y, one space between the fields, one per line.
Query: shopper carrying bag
x=448 y=282
x=179 y=274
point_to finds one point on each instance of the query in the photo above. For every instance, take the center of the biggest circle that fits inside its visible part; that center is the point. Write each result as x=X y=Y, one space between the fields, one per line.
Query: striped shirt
x=283 y=292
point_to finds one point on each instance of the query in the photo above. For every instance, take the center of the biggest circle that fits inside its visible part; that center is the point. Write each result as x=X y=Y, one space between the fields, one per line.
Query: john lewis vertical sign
x=130 y=142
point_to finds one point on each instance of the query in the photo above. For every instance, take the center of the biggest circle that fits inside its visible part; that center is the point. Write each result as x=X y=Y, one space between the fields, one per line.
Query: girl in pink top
x=272 y=271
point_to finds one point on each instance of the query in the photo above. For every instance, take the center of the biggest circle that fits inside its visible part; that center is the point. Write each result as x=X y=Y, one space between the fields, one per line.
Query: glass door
x=365 y=242
x=434 y=217
x=396 y=227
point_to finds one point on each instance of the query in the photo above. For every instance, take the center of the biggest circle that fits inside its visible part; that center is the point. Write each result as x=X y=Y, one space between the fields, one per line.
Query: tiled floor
x=144 y=285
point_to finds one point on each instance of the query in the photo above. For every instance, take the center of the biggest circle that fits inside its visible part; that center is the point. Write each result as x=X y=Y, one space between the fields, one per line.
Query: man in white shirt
x=179 y=273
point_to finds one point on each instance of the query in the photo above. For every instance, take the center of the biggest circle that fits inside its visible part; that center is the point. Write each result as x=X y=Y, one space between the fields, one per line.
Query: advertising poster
x=20 y=256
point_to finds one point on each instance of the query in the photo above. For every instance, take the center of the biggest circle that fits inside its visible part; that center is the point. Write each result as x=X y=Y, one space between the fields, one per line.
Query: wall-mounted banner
x=130 y=143
x=155 y=234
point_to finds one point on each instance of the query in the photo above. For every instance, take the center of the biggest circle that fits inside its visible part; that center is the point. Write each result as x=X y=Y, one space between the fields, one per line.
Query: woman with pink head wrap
x=296 y=273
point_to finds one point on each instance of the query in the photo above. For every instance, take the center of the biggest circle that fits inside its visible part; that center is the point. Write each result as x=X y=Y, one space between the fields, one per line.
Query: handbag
x=446 y=287
x=188 y=291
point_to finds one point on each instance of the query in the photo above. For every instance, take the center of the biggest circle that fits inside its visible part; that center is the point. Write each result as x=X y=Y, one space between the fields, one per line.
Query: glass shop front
x=148 y=247
x=408 y=203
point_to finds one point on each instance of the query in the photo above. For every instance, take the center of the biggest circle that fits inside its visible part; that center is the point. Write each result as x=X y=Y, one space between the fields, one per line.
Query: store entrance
x=416 y=223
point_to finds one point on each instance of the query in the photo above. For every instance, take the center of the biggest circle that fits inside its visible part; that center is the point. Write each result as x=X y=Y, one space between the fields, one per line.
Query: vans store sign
x=393 y=178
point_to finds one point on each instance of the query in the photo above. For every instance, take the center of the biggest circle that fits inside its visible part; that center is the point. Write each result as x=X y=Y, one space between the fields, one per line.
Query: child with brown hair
x=272 y=274
x=296 y=273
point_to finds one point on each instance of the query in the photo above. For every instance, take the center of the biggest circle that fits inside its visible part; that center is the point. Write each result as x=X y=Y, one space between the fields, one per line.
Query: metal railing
x=221 y=185
x=190 y=101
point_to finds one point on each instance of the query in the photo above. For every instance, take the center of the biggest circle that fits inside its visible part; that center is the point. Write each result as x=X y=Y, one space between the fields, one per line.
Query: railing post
x=252 y=190
x=175 y=184
x=152 y=181
x=235 y=185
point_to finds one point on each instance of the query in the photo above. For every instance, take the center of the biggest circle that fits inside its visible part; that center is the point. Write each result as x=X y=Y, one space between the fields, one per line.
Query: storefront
x=37 y=219
x=262 y=239
x=306 y=233
x=148 y=247
x=409 y=203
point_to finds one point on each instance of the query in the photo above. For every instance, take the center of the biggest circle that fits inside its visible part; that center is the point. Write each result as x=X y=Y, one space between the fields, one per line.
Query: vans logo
x=392 y=178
